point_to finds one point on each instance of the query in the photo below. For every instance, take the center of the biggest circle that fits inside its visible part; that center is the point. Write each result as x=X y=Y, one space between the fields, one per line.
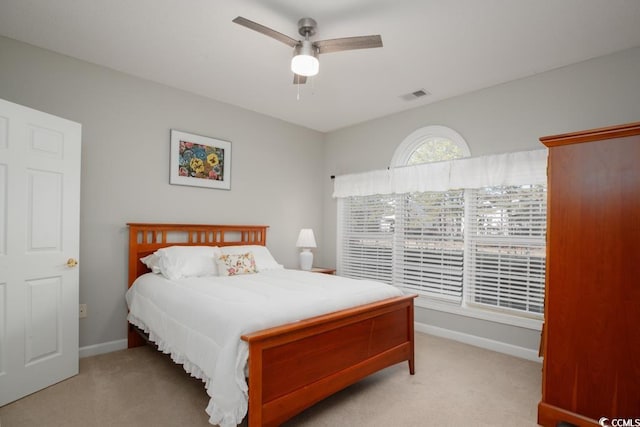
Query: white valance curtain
x=519 y=168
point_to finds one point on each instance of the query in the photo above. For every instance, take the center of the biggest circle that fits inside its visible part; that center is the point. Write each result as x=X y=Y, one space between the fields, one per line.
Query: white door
x=39 y=232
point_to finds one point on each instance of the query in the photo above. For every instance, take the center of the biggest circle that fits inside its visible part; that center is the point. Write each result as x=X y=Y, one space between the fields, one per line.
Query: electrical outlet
x=83 y=311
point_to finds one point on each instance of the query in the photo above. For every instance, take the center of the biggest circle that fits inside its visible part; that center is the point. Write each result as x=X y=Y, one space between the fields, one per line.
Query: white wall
x=125 y=162
x=509 y=117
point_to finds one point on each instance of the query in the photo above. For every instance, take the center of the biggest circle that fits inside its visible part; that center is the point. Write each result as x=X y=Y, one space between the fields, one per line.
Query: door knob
x=71 y=262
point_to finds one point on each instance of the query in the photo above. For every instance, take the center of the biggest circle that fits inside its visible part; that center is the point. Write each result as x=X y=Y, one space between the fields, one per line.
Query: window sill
x=522 y=322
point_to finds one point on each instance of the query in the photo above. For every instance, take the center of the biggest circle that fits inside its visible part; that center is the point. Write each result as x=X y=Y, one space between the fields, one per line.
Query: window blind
x=366 y=226
x=429 y=244
x=506 y=248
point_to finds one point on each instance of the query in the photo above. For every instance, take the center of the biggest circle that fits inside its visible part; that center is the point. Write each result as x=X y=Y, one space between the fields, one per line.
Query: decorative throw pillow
x=234 y=264
x=264 y=259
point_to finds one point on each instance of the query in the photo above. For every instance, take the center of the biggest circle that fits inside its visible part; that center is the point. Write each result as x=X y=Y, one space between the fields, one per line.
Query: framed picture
x=200 y=161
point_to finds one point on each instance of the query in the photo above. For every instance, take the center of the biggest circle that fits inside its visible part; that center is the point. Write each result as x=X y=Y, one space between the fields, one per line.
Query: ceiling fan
x=305 y=52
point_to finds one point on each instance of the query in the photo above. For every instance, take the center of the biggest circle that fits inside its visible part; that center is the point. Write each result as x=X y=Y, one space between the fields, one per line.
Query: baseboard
x=489 y=344
x=105 y=347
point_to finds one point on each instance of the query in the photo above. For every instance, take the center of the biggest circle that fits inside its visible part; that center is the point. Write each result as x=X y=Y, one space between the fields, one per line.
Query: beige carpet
x=454 y=385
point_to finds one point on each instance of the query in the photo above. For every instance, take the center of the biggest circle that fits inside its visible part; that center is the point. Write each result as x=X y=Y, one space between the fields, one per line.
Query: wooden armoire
x=591 y=338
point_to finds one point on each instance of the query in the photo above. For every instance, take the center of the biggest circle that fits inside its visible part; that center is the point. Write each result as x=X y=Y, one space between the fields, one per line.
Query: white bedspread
x=199 y=321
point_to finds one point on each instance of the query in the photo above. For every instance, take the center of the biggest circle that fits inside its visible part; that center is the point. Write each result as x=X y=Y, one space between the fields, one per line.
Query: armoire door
x=39 y=243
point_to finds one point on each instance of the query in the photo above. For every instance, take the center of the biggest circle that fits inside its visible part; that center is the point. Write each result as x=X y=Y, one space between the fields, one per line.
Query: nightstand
x=323 y=270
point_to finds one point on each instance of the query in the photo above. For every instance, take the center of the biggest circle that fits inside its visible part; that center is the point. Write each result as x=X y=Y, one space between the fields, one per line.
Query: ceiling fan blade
x=266 y=31
x=299 y=80
x=348 y=43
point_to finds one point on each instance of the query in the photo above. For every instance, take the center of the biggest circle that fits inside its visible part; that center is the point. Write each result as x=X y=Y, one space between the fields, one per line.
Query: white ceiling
x=445 y=47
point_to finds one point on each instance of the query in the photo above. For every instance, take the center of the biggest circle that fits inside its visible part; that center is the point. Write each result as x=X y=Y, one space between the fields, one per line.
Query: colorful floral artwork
x=201 y=161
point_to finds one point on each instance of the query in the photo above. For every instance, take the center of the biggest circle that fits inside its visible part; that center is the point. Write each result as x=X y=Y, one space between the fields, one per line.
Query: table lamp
x=306 y=241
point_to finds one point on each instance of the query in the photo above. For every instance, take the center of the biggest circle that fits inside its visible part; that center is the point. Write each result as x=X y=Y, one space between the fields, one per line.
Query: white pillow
x=152 y=263
x=176 y=262
x=264 y=259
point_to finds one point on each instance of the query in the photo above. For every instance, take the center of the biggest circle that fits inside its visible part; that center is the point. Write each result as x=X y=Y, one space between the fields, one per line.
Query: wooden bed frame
x=296 y=365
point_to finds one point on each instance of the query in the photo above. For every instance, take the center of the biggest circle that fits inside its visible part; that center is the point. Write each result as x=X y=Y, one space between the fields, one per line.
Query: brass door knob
x=71 y=262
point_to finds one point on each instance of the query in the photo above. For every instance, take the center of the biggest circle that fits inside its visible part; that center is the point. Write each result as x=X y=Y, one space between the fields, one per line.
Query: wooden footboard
x=291 y=367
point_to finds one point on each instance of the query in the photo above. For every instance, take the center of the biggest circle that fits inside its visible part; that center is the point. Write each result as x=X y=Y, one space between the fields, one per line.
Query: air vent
x=415 y=95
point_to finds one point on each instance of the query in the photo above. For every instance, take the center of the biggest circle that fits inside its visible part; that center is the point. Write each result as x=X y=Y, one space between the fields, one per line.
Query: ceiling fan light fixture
x=305 y=52
x=305 y=60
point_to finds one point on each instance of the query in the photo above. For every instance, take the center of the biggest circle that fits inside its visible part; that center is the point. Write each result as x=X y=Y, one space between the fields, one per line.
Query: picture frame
x=200 y=161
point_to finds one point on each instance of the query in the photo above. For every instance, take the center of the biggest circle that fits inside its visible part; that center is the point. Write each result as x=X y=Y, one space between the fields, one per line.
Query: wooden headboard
x=145 y=239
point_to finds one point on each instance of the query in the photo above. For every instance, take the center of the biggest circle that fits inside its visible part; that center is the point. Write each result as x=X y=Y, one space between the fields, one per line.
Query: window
x=429 y=244
x=366 y=228
x=506 y=248
x=430 y=144
x=478 y=250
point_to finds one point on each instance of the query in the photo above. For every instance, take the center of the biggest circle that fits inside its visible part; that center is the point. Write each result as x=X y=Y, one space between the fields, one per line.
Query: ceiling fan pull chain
x=298 y=86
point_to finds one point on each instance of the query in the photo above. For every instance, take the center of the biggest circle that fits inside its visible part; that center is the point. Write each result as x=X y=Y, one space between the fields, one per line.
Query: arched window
x=430 y=144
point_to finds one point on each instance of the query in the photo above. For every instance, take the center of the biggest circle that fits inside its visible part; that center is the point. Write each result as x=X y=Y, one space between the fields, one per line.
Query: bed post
x=410 y=324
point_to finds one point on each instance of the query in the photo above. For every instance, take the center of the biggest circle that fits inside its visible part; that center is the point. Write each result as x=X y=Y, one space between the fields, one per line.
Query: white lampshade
x=305 y=61
x=306 y=240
